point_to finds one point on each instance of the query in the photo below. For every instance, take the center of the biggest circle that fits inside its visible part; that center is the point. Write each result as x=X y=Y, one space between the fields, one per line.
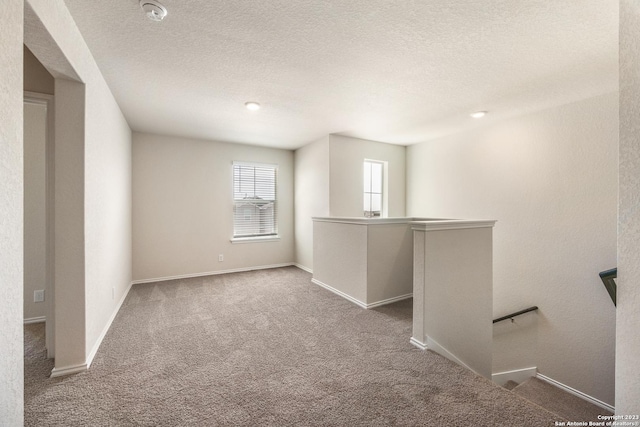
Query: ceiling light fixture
x=478 y=114
x=253 y=106
x=153 y=9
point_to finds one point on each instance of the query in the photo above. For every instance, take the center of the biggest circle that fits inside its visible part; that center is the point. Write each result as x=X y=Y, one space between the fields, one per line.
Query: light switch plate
x=38 y=296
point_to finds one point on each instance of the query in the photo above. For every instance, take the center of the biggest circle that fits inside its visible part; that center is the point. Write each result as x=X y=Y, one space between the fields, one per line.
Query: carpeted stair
x=556 y=400
x=510 y=385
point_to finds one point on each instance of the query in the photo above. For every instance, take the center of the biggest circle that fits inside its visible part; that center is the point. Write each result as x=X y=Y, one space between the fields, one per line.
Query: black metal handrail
x=608 y=279
x=517 y=313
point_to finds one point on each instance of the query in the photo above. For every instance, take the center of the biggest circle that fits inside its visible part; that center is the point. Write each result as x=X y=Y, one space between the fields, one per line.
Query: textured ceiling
x=400 y=71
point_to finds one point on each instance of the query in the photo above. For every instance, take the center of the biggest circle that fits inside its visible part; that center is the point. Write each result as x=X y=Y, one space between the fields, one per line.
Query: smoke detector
x=153 y=9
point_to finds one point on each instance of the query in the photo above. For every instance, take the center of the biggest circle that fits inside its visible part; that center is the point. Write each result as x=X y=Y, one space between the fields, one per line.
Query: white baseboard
x=302 y=267
x=434 y=346
x=577 y=393
x=96 y=346
x=212 y=273
x=357 y=301
x=68 y=370
x=339 y=293
x=389 y=300
x=437 y=348
x=517 y=375
x=74 y=369
x=419 y=344
x=40 y=319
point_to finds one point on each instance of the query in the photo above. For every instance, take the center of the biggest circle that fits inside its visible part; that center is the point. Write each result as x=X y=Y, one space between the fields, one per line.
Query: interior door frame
x=47 y=101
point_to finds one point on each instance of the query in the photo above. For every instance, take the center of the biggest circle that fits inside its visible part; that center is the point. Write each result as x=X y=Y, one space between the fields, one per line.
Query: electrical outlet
x=38 y=296
x=220 y=257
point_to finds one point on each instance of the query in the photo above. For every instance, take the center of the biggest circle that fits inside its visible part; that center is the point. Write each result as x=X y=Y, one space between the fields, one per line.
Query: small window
x=373 y=188
x=254 y=200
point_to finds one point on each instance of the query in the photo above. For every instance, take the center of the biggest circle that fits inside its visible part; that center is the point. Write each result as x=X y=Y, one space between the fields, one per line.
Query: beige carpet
x=559 y=402
x=263 y=348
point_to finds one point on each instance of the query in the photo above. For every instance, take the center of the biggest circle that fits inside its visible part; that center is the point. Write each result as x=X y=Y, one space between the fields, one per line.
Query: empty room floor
x=262 y=348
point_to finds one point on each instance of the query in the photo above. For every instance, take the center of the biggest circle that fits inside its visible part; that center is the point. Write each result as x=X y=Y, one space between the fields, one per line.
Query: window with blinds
x=254 y=200
x=373 y=188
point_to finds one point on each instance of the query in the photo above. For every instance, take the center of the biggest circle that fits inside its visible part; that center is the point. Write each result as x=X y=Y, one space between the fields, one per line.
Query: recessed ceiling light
x=478 y=114
x=253 y=106
x=153 y=9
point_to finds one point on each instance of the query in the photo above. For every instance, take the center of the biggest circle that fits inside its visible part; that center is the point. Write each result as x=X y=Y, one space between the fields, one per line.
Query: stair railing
x=608 y=277
x=517 y=313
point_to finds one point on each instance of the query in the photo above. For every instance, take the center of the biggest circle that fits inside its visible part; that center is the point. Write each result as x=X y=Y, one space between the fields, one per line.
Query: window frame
x=266 y=237
x=383 y=184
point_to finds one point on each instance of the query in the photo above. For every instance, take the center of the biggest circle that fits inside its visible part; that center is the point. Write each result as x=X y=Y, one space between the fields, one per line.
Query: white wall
x=35 y=198
x=36 y=77
x=453 y=292
x=628 y=314
x=347 y=156
x=341 y=258
x=183 y=207
x=328 y=181
x=550 y=180
x=108 y=208
x=389 y=262
x=93 y=157
x=69 y=226
x=11 y=238
x=311 y=177
x=369 y=261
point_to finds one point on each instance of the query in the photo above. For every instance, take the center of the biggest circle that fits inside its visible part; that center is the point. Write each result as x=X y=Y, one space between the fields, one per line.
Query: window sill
x=255 y=239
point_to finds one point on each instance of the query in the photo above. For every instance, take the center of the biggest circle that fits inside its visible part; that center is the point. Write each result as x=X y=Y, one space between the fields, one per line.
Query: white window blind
x=254 y=200
x=373 y=188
